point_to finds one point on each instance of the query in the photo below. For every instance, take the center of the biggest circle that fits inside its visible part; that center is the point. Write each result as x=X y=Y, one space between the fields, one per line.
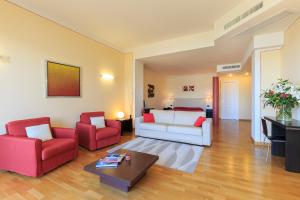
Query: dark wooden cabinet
x=209 y=113
x=126 y=125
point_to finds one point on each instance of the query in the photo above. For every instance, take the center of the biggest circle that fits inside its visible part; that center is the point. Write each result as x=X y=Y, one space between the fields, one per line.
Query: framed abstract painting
x=62 y=80
x=151 y=91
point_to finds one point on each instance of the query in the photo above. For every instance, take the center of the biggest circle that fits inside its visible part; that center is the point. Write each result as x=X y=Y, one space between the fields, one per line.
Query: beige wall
x=244 y=94
x=202 y=83
x=291 y=57
x=270 y=73
x=29 y=41
x=138 y=87
x=159 y=81
x=168 y=87
x=128 y=84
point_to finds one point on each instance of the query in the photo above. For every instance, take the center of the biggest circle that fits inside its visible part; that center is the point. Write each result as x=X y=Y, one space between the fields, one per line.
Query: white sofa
x=176 y=126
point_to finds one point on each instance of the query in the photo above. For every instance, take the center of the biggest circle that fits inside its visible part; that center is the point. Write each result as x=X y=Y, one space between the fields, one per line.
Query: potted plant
x=282 y=96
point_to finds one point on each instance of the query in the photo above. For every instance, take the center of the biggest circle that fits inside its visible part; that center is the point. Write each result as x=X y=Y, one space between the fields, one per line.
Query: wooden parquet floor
x=233 y=168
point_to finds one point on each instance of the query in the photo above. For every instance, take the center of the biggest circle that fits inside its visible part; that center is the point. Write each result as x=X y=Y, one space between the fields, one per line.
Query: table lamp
x=120 y=115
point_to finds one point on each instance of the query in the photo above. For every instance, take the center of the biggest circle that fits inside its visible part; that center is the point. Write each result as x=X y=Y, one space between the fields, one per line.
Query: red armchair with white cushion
x=92 y=138
x=32 y=157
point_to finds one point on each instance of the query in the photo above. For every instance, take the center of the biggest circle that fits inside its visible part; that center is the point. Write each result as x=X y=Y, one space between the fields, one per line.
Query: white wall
x=139 y=88
x=256 y=100
x=270 y=73
x=128 y=85
x=202 y=83
x=170 y=87
x=160 y=92
x=291 y=57
x=29 y=40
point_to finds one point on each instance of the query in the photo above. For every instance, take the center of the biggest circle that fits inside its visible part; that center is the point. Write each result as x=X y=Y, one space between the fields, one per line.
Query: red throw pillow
x=199 y=121
x=148 y=118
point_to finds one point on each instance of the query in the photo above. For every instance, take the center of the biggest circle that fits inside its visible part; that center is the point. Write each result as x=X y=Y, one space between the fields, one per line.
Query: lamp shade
x=120 y=115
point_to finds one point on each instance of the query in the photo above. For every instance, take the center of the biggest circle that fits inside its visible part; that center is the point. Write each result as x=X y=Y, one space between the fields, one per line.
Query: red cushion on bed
x=199 y=121
x=148 y=118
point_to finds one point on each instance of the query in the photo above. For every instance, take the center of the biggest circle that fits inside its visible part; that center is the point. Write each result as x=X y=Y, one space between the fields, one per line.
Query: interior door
x=230 y=99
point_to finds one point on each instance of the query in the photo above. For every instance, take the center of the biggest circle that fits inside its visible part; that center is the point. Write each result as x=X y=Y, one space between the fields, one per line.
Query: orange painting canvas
x=62 y=80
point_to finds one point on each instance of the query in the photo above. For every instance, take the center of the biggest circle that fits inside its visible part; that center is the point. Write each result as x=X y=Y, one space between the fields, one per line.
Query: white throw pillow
x=99 y=122
x=41 y=132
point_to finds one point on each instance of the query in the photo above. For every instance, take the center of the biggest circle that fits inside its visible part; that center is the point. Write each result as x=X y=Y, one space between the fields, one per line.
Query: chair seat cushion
x=153 y=126
x=54 y=147
x=106 y=132
x=188 y=130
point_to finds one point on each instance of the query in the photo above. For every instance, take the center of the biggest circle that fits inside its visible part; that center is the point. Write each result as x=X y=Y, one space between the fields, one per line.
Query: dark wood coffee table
x=128 y=173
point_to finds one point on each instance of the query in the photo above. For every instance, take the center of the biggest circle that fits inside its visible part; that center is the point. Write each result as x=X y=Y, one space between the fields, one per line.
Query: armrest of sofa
x=64 y=132
x=207 y=130
x=113 y=124
x=21 y=154
x=86 y=135
x=137 y=122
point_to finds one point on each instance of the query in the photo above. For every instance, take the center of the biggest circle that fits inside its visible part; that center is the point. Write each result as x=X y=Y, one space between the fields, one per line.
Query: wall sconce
x=107 y=77
x=4 y=59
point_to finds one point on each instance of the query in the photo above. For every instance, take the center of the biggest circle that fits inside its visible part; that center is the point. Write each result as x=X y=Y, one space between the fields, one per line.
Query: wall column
x=216 y=100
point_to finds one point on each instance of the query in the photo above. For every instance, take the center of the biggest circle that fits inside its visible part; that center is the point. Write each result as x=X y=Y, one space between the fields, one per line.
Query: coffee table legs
x=118 y=184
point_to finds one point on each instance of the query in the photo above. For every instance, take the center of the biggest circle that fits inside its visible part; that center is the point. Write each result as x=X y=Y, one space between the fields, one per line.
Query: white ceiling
x=227 y=50
x=202 y=60
x=125 y=24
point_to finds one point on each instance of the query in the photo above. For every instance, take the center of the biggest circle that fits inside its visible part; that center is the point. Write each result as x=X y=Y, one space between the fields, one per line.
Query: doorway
x=230 y=99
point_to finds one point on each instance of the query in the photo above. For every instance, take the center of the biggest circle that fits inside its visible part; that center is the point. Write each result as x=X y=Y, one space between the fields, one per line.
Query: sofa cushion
x=56 y=147
x=106 y=132
x=187 y=118
x=153 y=126
x=86 y=117
x=41 y=132
x=17 y=128
x=199 y=121
x=148 y=118
x=188 y=130
x=163 y=116
x=99 y=122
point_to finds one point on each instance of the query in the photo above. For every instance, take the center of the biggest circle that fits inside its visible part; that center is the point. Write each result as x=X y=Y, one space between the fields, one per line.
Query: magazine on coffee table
x=111 y=160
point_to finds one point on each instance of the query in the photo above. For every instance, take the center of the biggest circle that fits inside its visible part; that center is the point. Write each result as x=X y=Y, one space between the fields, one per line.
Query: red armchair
x=32 y=157
x=92 y=138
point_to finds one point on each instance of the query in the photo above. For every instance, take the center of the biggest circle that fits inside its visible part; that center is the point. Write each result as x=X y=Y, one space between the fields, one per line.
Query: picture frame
x=62 y=80
x=151 y=91
x=188 y=88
